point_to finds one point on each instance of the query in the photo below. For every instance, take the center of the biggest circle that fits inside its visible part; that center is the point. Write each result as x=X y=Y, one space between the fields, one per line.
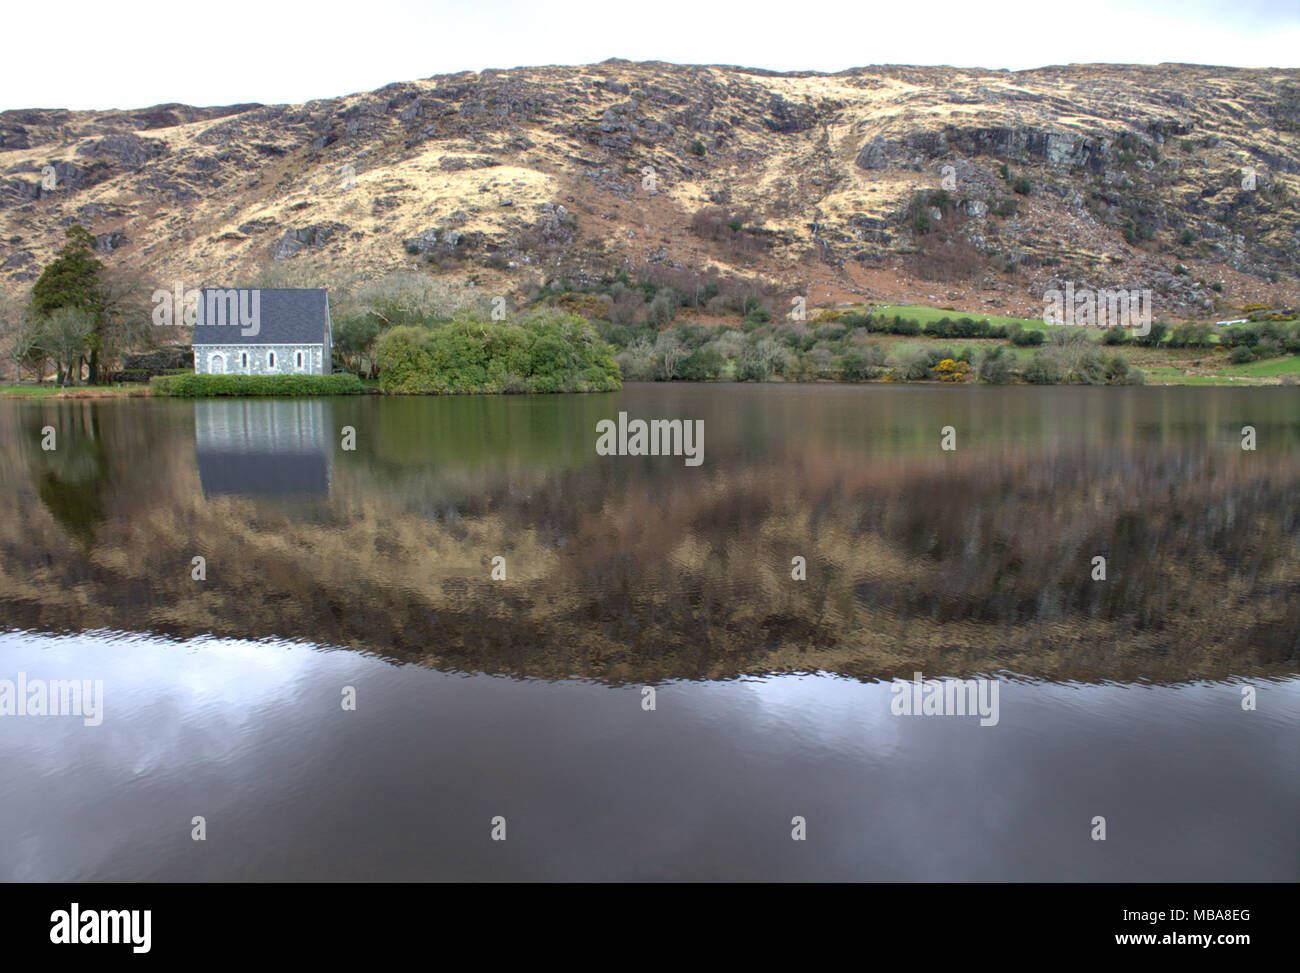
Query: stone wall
x=314 y=362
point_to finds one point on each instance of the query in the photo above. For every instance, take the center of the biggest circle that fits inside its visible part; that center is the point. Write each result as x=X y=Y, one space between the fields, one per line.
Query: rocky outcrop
x=310 y=237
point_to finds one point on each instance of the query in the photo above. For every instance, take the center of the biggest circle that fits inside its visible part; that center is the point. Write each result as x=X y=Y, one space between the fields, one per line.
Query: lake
x=444 y=639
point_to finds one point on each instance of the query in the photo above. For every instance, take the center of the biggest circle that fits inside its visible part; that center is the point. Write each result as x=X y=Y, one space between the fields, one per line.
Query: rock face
x=306 y=238
x=583 y=170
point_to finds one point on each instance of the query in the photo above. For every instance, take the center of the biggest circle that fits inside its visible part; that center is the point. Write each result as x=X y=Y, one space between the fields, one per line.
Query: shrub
x=549 y=352
x=860 y=365
x=1247 y=335
x=734 y=231
x=192 y=386
x=946 y=260
x=637 y=362
x=995 y=365
x=1153 y=337
x=662 y=310
x=1025 y=337
x=756 y=312
x=914 y=366
x=701 y=365
x=949 y=370
x=1022 y=186
x=1190 y=335
x=1241 y=354
x=968 y=328
x=697 y=147
x=1117 y=370
x=1044 y=369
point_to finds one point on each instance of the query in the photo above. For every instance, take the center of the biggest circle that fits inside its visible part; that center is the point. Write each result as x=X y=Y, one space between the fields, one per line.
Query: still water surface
x=523 y=697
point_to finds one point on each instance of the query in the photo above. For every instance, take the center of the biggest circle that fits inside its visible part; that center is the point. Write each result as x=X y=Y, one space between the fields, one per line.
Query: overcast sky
x=135 y=53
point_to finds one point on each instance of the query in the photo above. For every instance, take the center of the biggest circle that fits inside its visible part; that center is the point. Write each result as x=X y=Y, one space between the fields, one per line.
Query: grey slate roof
x=263 y=474
x=286 y=316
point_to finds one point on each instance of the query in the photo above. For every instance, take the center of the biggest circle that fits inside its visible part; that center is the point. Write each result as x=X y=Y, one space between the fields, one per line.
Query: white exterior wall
x=315 y=360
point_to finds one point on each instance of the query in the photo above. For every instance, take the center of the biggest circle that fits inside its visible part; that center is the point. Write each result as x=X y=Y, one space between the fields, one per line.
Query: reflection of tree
x=72 y=479
x=980 y=564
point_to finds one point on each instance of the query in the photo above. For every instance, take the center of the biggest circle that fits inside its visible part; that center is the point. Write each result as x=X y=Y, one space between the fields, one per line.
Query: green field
x=1269 y=367
x=48 y=390
x=924 y=315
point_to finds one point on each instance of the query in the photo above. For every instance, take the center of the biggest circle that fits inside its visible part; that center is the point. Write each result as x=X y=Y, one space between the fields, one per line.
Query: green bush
x=545 y=352
x=756 y=313
x=1190 y=335
x=1241 y=354
x=701 y=365
x=1153 y=337
x=192 y=386
x=995 y=365
x=860 y=365
x=1044 y=369
x=1025 y=337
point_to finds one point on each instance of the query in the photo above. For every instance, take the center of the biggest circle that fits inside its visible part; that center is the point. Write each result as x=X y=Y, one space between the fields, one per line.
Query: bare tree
x=128 y=309
x=66 y=335
x=19 y=335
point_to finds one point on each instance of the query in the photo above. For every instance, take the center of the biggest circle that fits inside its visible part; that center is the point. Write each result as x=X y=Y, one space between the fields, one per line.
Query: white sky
x=136 y=53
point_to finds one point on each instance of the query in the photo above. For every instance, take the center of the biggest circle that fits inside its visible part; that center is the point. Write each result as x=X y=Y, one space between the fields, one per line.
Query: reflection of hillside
x=263 y=447
x=979 y=561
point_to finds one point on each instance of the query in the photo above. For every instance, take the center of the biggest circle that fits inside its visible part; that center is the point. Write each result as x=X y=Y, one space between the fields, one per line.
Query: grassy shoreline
x=1169 y=374
x=418 y=364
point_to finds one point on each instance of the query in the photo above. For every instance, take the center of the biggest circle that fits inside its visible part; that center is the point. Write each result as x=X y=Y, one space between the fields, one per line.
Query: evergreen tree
x=72 y=281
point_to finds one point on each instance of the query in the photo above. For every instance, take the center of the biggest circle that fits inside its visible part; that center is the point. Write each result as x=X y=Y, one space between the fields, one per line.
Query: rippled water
x=524 y=697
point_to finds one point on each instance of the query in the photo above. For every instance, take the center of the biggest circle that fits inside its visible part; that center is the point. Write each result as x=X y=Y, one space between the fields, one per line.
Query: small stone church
x=263 y=331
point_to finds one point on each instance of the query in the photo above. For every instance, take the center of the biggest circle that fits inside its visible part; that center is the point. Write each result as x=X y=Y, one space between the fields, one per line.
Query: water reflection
x=252 y=736
x=637 y=569
x=372 y=569
x=263 y=447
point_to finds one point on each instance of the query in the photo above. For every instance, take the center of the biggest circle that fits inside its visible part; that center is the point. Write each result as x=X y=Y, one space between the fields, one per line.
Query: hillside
x=1114 y=176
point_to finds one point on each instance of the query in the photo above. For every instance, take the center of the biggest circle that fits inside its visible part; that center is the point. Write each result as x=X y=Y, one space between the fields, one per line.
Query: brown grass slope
x=468 y=171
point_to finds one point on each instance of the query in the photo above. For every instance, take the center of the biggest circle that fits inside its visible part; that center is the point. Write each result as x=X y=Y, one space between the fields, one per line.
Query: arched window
x=270 y=360
x=217 y=363
x=297 y=359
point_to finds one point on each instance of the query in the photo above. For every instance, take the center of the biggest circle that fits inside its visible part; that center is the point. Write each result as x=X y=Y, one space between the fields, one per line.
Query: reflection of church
x=263 y=446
